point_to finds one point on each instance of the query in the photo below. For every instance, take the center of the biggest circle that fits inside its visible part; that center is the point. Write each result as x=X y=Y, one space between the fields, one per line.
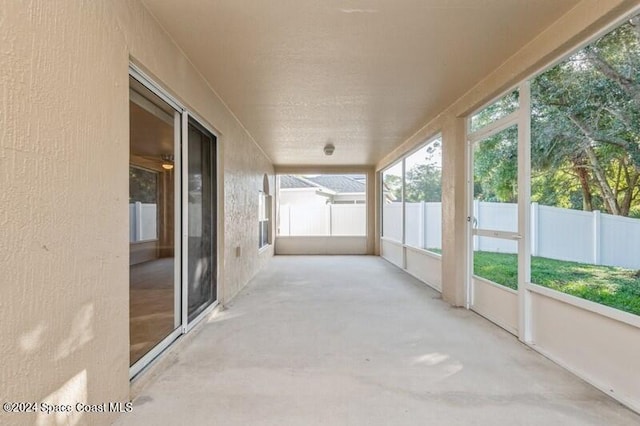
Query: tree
x=495 y=167
x=586 y=123
x=424 y=179
x=143 y=185
x=585 y=118
x=392 y=187
x=423 y=184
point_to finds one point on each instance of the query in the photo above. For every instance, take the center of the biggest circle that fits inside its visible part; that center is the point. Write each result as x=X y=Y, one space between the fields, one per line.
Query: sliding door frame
x=186 y=324
x=181 y=219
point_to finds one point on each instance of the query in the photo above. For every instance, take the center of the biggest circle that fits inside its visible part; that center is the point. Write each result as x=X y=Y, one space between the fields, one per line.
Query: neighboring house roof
x=294 y=182
x=340 y=183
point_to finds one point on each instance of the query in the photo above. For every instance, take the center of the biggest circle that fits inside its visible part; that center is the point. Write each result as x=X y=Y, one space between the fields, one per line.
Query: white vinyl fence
x=143 y=220
x=423 y=224
x=556 y=233
x=392 y=221
x=586 y=237
x=330 y=219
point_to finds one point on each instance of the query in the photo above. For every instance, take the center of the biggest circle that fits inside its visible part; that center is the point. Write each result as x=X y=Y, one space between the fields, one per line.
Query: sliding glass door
x=201 y=220
x=154 y=258
x=172 y=221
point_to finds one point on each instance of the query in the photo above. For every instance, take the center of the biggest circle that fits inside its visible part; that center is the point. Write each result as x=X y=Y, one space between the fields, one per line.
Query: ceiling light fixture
x=329 y=148
x=167 y=161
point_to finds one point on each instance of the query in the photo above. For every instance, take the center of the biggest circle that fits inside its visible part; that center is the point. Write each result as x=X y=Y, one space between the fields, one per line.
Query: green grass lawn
x=615 y=287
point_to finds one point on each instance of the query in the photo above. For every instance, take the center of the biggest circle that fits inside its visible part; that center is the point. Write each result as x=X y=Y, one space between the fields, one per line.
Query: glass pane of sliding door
x=154 y=264
x=201 y=255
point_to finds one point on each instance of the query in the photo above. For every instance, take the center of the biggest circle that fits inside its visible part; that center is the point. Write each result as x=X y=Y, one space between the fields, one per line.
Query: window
x=143 y=204
x=496 y=111
x=264 y=224
x=585 y=172
x=392 y=195
x=495 y=207
x=423 y=197
x=412 y=198
x=322 y=205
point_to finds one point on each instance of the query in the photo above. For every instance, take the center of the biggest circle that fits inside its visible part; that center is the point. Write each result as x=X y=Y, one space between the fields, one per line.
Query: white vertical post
x=535 y=228
x=597 y=220
x=475 y=223
x=329 y=218
x=137 y=220
x=404 y=213
x=425 y=221
x=181 y=185
x=422 y=226
x=276 y=193
x=525 y=333
x=470 y=240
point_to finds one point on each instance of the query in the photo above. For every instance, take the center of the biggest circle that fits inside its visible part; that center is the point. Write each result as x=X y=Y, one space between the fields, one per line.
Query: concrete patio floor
x=352 y=340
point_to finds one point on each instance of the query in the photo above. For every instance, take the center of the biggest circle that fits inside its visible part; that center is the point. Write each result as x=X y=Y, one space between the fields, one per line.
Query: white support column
x=535 y=228
x=422 y=226
x=525 y=333
x=276 y=207
x=404 y=214
x=470 y=239
x=181 y=185
x=374 y=207
x=597 y=220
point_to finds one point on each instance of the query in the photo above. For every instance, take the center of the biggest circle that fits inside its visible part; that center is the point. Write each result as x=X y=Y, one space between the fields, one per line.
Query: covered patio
x=480 y=266
x=352 y=340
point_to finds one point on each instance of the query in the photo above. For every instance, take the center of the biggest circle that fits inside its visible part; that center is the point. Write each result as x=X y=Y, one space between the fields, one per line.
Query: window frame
x=264 y=218
x=402 y=160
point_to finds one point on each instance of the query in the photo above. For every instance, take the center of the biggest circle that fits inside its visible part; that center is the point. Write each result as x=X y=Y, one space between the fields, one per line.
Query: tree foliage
x=392 y=185
x=586 y=125
x=143 y=185
x=495 y=167
x=585 y=131
x=424 y=179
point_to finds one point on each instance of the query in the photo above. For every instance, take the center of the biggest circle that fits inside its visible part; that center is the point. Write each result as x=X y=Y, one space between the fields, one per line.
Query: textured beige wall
x=64 y=152
x=602 y=350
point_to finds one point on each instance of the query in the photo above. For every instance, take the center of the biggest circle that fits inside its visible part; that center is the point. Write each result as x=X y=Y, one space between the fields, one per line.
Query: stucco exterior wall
x=64 y=153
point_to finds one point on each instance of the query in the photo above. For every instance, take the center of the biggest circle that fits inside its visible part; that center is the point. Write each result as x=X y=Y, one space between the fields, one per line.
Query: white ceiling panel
x=361 y=74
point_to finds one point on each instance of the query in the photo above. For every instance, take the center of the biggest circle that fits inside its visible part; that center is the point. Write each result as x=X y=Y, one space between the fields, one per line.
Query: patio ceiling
x=361 y=74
